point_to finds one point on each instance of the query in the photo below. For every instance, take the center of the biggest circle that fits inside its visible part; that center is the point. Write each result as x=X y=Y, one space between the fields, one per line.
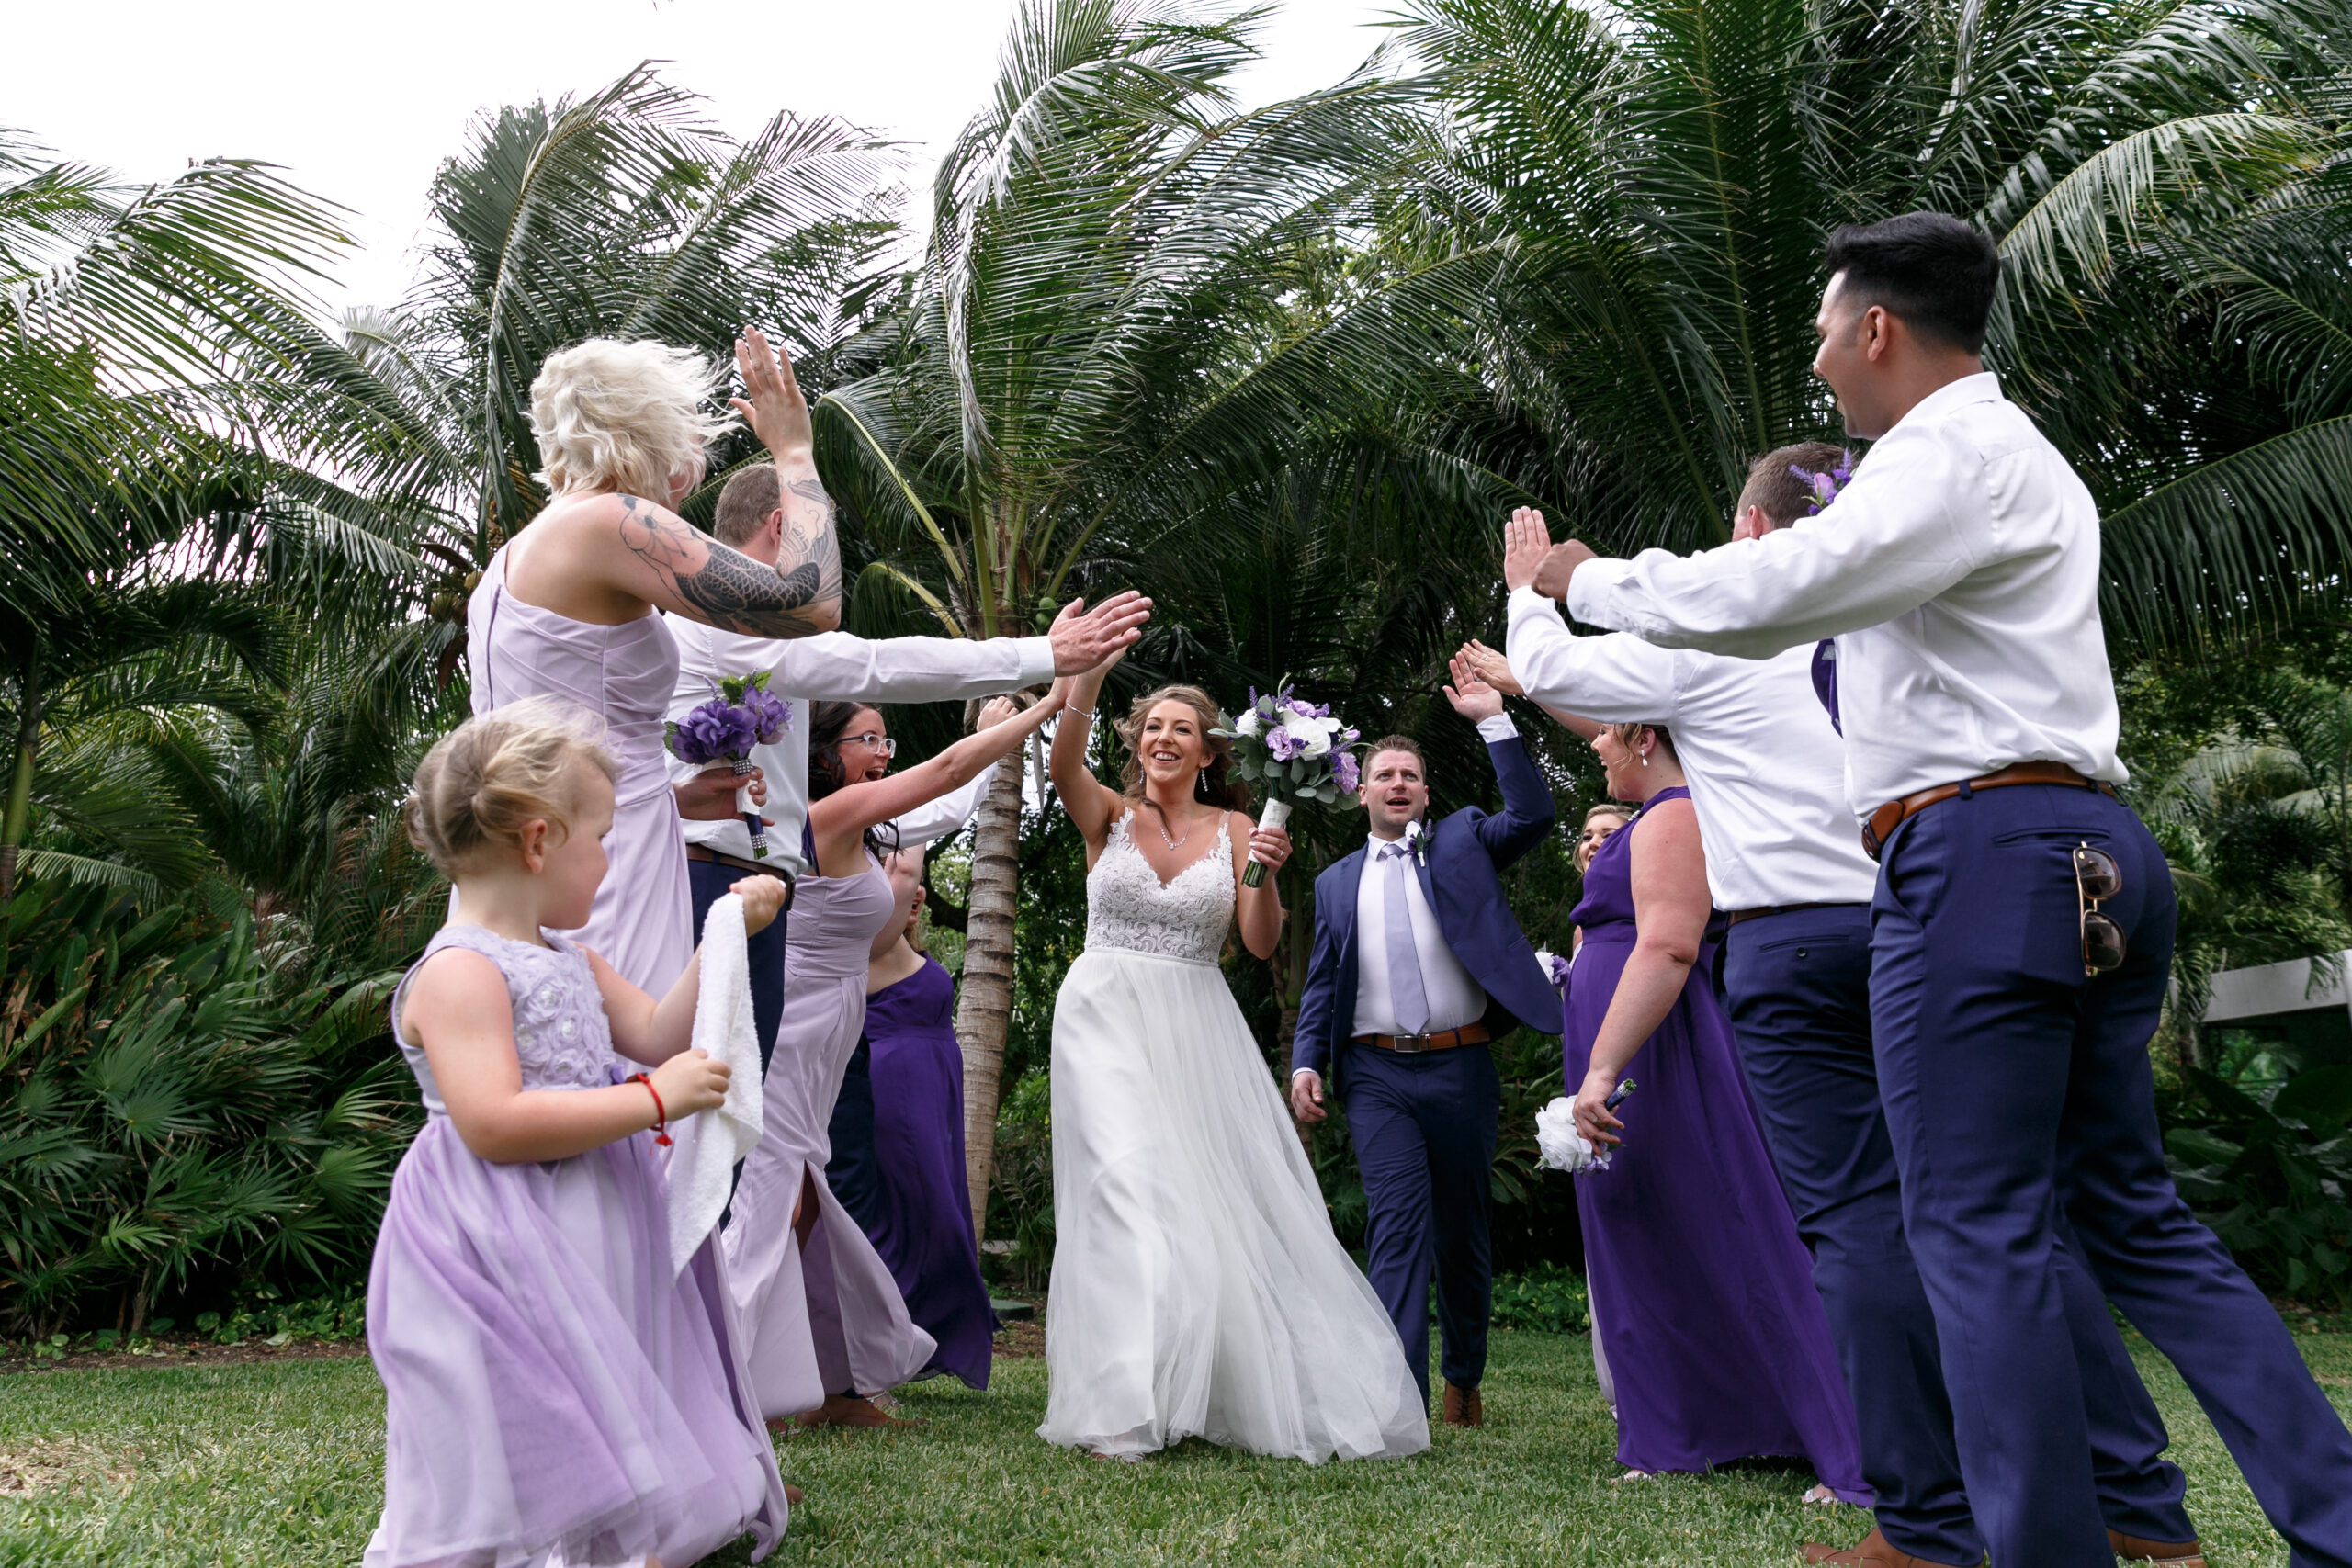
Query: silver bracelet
x=1073 y=708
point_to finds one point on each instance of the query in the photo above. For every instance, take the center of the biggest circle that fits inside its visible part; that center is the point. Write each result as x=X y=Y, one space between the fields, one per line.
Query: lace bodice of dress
x=561 y=1036
x=1127 y=907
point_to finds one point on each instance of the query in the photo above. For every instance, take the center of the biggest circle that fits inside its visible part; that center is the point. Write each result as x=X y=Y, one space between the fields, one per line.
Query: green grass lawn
x=280 y=1463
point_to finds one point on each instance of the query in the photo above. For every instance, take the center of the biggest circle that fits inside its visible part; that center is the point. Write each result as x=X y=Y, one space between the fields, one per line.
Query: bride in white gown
x=1197 y=1289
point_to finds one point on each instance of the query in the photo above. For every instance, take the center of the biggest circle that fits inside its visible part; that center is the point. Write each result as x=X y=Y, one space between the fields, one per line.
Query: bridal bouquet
x=741 y=714
x=1296 y=751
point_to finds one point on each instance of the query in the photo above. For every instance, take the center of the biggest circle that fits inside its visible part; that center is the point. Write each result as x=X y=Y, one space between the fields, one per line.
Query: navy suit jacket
x=1459 y=878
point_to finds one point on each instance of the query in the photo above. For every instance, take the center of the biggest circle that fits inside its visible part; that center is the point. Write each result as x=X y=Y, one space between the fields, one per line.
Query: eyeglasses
x=889 y=748
x=2097 y=877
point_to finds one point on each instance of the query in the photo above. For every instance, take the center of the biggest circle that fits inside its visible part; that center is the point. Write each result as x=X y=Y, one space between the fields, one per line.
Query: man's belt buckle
x=1409 y=1044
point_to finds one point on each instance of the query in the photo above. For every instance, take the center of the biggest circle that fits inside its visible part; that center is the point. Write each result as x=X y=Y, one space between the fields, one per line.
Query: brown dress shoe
x=791 y=1495
x=2131 y=1548
x=1462 y=1407
x=1874 y=1551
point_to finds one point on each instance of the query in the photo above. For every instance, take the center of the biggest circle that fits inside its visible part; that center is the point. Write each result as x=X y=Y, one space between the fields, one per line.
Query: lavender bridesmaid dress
x=920 y=1212
x=1717 y=1341
x=642 y=922
x=552 y=1394
x=825 y=1319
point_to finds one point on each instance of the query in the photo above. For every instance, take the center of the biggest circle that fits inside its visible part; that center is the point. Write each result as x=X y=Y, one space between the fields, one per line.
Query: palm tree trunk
x=984 y=1007
x=20 y=782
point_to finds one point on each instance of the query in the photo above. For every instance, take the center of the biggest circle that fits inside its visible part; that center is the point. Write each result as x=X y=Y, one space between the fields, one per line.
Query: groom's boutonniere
x=1417 y=843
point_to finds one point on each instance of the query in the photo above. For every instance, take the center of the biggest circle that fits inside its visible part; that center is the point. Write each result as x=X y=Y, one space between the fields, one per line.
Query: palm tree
x=621 y=213
x=1104 y=358
x=1647 y=188
x=145 y=334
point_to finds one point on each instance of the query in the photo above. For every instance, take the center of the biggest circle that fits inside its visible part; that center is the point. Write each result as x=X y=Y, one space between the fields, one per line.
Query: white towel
x=702 y=1162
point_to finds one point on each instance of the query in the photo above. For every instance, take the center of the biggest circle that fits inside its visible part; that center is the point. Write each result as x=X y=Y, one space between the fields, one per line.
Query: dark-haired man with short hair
x=1417 y=963
x=1766 y=776
x=2022 y=925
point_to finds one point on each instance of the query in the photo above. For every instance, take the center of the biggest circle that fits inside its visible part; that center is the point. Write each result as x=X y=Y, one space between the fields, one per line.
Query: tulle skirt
x=554 y=1396
x=1197 y=1288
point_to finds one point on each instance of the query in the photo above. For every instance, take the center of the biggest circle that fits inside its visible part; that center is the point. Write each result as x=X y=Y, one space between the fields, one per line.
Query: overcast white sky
x=362 y=102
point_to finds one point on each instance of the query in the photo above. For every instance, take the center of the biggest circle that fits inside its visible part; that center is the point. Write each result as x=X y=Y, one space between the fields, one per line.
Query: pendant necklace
x=1163 y=825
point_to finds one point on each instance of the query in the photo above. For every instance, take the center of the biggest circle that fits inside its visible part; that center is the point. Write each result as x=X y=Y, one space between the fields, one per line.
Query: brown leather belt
x=1414 y=1044
x=1895 y=813
x=736 y=862
x=1757 y=914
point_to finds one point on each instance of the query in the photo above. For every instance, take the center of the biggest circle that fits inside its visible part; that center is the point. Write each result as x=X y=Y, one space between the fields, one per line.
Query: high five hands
x=1083 y=639
x=1532 y=560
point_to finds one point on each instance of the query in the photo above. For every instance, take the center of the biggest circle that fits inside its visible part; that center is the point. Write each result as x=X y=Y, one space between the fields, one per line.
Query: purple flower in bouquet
x=1344 y=770
x=1294 y=750
x=742 y=713
x=715 y=731
x=1284 y=745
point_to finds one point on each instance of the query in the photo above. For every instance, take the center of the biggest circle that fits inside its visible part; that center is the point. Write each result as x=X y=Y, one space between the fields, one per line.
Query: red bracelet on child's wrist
x=660 y=1116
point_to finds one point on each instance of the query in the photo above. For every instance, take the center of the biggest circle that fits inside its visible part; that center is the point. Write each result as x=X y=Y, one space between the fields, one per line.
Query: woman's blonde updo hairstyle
x=493 y=774
x=1217 y=784
x=624 y=417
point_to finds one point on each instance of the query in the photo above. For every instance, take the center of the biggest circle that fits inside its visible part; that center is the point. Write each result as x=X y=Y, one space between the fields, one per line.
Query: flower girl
x=554 y=1396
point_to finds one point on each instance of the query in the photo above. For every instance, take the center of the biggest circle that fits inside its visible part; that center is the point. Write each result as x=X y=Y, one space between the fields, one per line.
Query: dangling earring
x=1200 y=784
x=1645 y=759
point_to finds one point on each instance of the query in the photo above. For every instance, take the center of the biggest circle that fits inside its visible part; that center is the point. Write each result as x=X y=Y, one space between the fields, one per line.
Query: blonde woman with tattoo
x=567 y=607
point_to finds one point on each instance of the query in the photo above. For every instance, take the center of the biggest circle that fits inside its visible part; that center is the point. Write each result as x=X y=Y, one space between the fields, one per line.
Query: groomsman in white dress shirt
x=1766 y=772
x=2022 y=923
x=838 y=666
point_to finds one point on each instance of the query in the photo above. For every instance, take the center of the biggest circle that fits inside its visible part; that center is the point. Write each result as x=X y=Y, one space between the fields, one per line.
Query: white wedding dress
x=1197 y=1289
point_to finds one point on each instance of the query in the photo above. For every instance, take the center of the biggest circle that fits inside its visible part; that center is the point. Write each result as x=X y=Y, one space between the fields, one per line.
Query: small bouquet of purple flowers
x=741 y=714
x=1296 y=751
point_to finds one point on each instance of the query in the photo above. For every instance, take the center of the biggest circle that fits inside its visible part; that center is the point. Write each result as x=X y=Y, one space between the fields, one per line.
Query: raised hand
x=1269 y=847
x=1526 y=539
x=1472 y=697
x=1560 y=563
x=1489 y=665
x=993 y=712
x=1083 y=639
x=771 y=404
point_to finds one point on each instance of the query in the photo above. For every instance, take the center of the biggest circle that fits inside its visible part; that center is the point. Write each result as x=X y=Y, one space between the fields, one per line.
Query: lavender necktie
x=1406 y=992
x=1825 y=679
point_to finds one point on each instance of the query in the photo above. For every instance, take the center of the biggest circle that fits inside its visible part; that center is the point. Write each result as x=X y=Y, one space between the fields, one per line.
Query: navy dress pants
x=2018 y=1092
x=1424 y=1131
x=709 y=882
x=1797 y=988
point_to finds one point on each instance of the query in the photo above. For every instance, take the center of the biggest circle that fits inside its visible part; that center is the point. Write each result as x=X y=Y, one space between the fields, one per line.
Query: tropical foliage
x=1282 y=366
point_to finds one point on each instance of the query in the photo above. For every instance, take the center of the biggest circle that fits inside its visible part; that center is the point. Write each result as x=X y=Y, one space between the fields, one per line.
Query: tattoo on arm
x=800 y=595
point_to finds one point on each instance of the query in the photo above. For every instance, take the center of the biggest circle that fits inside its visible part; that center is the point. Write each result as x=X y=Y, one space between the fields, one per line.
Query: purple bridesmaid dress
x=920 y=1219
x=1718 y=1340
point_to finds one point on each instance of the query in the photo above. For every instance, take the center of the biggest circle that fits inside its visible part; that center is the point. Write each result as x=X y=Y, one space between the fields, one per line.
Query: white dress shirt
x=836 y=666
x=1454 y=999
x=1959 y=570
x=1766 y=772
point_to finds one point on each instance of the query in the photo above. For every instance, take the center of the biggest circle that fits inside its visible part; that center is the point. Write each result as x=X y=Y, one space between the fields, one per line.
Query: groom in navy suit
x=1417 y=965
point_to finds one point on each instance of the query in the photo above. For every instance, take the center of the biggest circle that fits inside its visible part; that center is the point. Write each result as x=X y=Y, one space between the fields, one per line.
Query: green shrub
x=1547 y=1298
x=2271 y=1172
x=175 y=1106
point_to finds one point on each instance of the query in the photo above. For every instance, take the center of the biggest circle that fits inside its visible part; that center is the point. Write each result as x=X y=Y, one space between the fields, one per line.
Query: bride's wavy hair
x=1217 y=783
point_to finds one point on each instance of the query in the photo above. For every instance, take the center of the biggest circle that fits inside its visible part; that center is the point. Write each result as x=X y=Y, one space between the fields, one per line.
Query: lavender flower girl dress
x=554 y=1396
